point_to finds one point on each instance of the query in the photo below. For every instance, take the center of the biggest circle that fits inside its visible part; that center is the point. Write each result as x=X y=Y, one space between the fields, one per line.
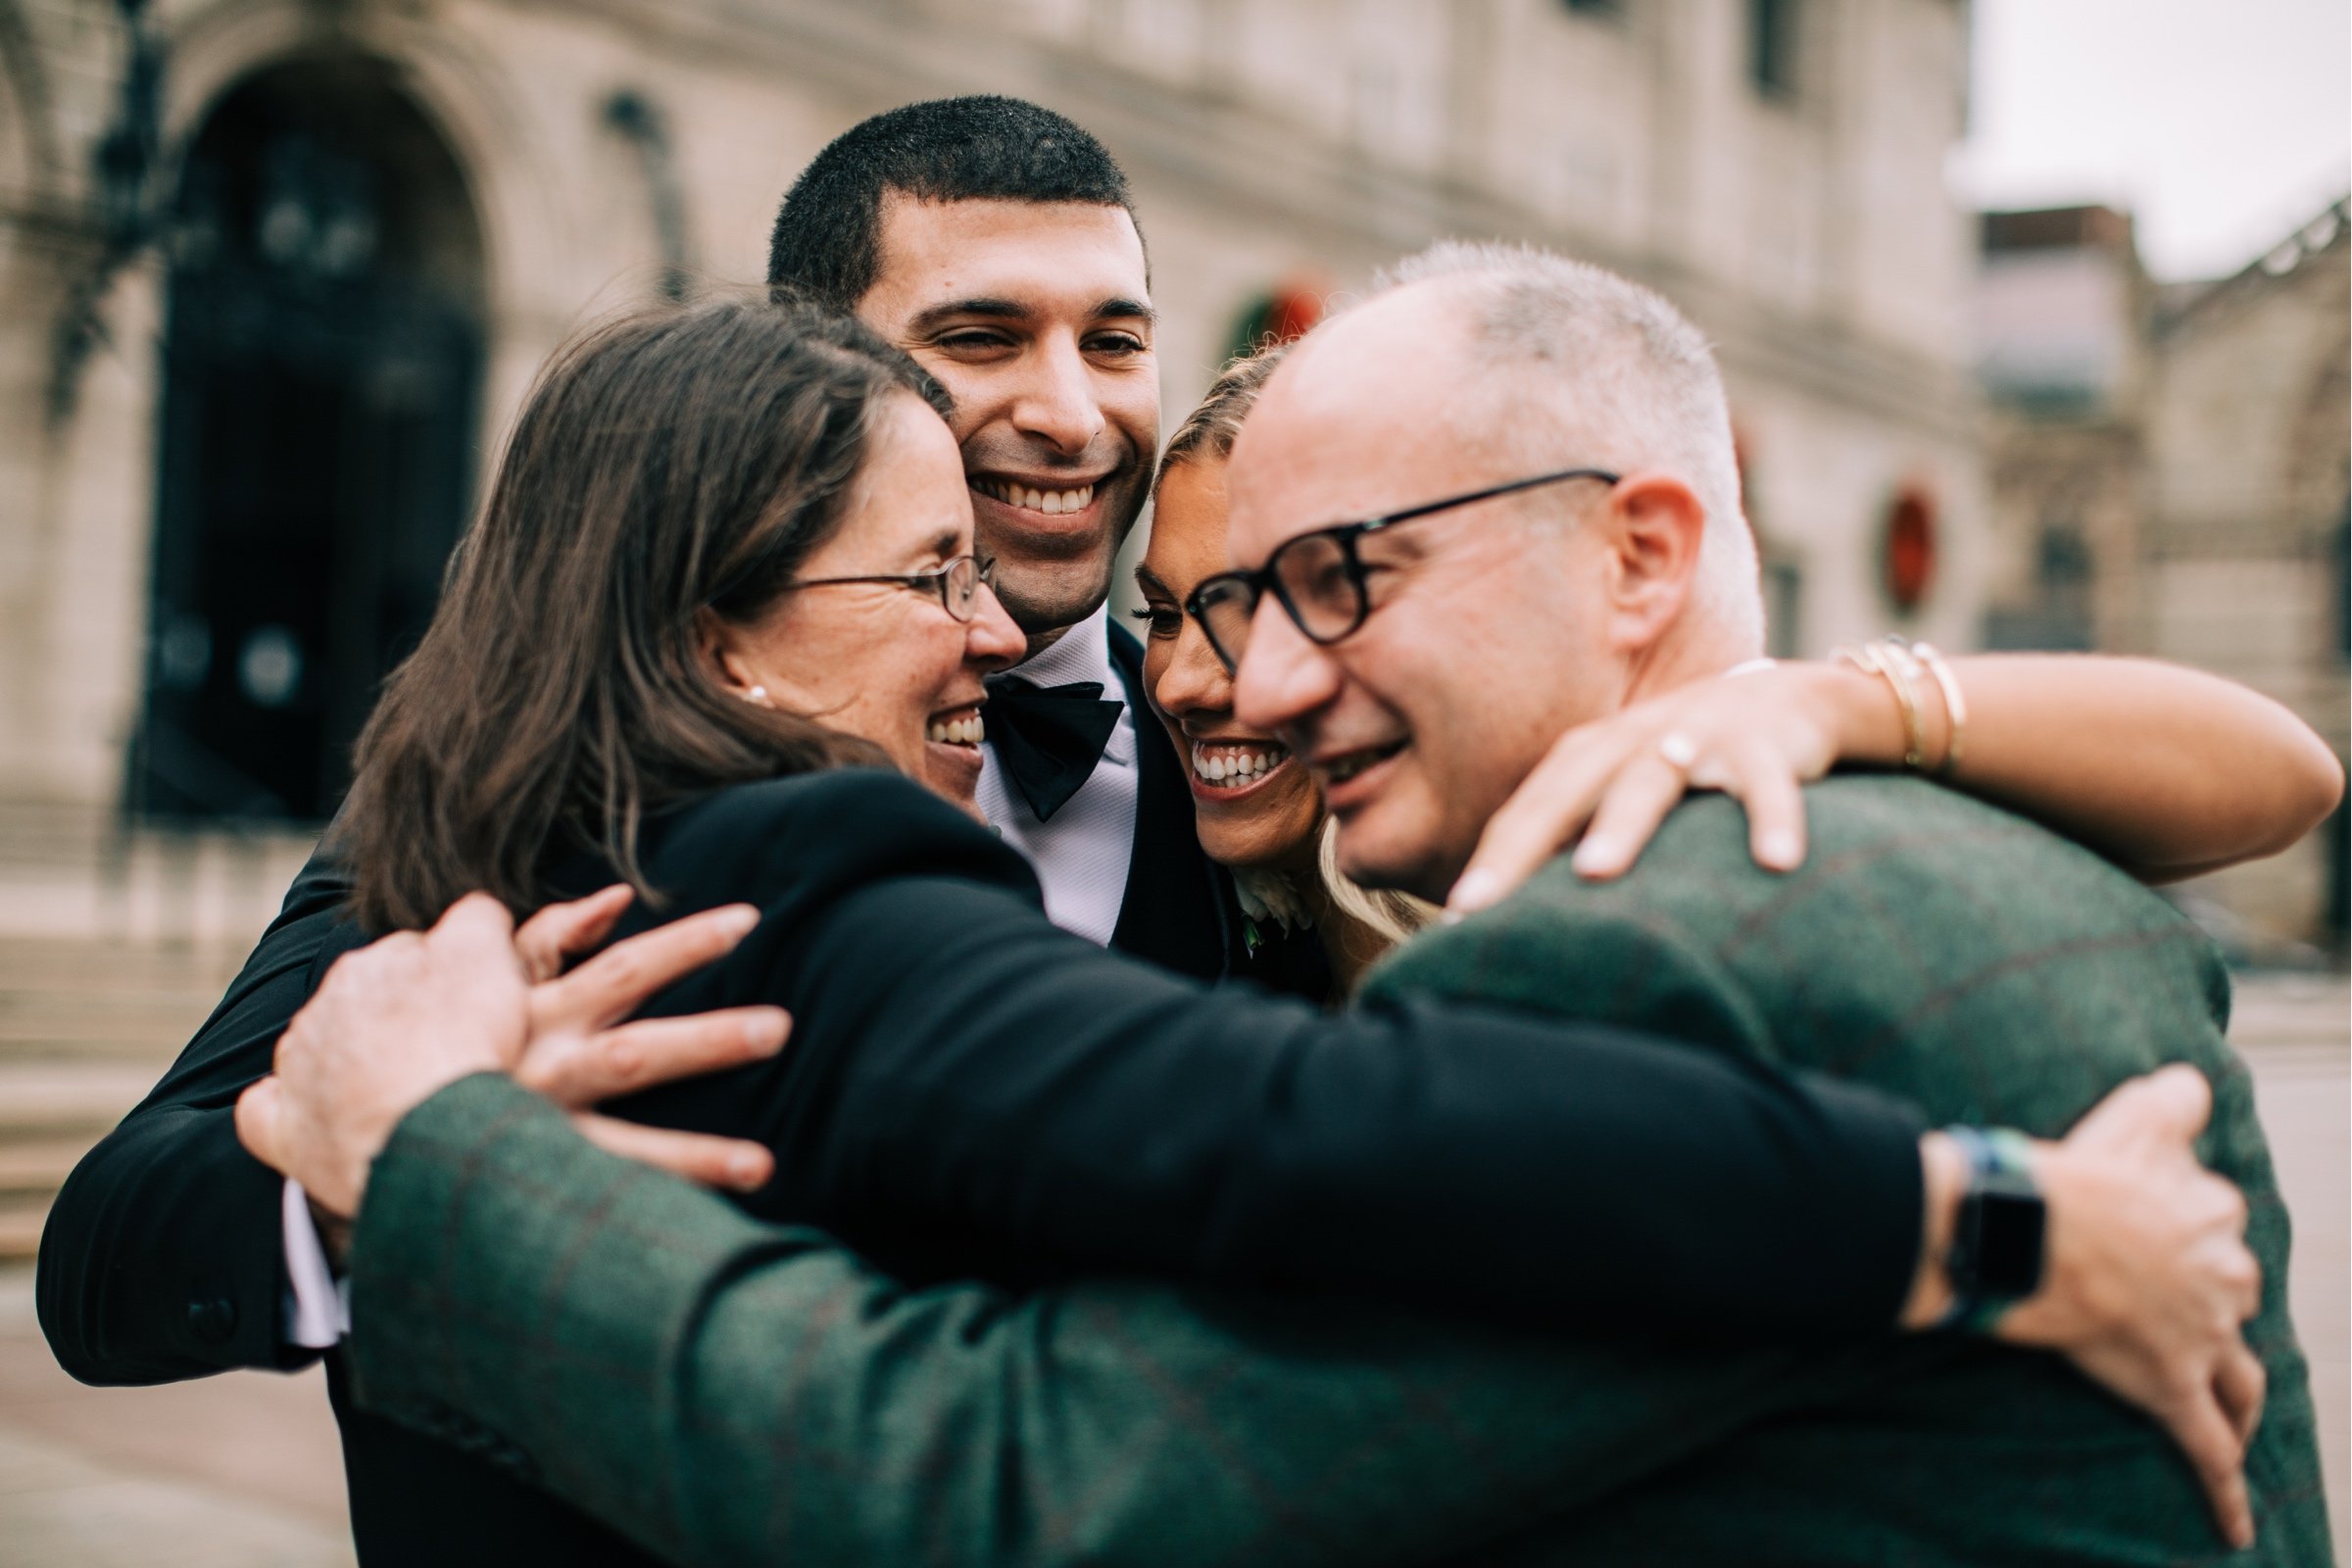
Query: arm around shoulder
x=728 y=1391
x=2168 y=771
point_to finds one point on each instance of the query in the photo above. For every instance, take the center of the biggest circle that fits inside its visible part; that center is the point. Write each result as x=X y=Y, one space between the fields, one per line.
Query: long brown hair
x=667 y=465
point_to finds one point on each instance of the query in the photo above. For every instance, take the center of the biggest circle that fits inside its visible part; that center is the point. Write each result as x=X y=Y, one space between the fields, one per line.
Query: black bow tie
x=1049 y=738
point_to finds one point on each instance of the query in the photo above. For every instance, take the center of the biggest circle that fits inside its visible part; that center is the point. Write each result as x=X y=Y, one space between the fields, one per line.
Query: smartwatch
x=1998 y=1240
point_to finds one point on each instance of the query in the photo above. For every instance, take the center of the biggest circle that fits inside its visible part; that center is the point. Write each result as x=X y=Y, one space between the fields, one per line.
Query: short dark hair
x=827 y=243
x=676 y=461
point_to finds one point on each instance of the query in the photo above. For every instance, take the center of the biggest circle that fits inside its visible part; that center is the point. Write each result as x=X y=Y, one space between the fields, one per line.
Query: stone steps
x=68 y=872
x=21 y=1222
x=37 y=1167
x=86 y=1028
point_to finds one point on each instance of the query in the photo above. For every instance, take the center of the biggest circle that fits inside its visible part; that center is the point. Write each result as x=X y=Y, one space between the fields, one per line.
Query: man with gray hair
x=1652 y=384
x=1570 y=544
x=1552 y=370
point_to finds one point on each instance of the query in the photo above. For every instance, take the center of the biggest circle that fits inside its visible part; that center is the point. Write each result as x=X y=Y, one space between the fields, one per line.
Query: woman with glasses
x=719 y=634
x=2166 y=772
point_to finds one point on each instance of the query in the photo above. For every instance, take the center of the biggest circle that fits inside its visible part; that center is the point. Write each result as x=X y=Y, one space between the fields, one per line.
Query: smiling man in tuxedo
x=996 y=242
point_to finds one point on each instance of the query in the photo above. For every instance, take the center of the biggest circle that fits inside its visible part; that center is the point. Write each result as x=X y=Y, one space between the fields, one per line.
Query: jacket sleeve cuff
x=433 y=1188
x=1880 y=1197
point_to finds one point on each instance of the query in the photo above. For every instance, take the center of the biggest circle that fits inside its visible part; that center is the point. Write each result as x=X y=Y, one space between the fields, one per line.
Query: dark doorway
x=322 y=360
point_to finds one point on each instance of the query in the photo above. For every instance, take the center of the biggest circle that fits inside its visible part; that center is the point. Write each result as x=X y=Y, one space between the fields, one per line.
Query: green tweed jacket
x=1991 y=973
x=730 y=1392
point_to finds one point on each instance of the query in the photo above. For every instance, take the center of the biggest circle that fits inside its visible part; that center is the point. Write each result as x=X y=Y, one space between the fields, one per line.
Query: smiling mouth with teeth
x=1051 y=503
x=960 y=729
x=1354 y=762
x=1232 y=765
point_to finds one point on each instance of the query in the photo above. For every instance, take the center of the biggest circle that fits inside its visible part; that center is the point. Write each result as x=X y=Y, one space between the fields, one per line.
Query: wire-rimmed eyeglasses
x=957 y=582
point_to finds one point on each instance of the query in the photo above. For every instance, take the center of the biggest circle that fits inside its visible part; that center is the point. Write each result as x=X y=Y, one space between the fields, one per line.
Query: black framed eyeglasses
x=957 y=582
x=1319 y=579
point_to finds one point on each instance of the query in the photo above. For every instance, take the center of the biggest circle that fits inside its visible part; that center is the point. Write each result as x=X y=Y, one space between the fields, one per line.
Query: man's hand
x=2148 y=1278
x=398 y=1020
x=582 y=1053
x=1758 y=736
x=392 y=1024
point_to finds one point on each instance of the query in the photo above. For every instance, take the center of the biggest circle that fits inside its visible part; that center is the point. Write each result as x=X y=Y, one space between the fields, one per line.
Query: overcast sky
x=2220 y=124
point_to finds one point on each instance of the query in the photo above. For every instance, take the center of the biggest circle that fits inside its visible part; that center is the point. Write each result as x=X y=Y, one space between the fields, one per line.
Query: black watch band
x=1998 y=1237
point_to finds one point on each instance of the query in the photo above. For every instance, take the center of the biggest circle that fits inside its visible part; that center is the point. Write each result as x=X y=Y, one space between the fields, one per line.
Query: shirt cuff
x=317 y=1306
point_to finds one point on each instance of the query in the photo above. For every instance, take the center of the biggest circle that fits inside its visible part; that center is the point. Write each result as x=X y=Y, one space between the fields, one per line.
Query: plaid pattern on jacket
x=1993 y=974
x=726 y=1392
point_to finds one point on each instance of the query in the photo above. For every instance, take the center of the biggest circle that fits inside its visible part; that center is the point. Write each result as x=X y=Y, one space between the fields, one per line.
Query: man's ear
x=719 y=642
x=1652 y=530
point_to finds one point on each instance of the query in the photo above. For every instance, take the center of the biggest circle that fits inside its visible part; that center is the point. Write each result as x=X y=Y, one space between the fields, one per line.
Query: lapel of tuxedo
x=1177 y=913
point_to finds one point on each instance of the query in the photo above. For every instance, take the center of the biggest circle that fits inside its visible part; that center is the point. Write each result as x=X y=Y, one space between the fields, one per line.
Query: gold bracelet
x=1904 y=673
x=1880 y=659
x=1955 y=705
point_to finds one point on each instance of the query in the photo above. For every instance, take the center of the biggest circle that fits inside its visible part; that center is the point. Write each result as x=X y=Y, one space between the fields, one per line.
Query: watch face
x=2009 y=1243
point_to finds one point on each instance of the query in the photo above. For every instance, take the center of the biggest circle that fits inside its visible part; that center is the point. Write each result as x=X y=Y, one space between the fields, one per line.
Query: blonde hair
x=1210 y=430
x=1388 y=914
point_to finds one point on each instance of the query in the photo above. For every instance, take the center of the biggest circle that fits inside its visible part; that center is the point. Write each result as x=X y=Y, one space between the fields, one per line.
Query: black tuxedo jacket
x=971 y=1090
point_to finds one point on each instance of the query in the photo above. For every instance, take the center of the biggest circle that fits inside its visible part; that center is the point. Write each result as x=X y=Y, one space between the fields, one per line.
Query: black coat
x=969 y=1090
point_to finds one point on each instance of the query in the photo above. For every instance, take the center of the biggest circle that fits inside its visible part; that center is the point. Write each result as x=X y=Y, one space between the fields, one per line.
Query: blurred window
x=2058 y=615
x=1784 y=606
x=322 y=359
x=1772 y=28
x=1908 y=548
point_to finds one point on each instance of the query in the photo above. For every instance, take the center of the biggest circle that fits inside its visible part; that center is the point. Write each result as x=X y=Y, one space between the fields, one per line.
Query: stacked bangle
x=1900 y=662
x=1900 y=671
x=1955 y=706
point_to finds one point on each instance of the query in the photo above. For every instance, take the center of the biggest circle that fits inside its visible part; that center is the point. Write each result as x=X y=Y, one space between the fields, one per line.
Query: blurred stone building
x=273 y=275
x=2169 y=467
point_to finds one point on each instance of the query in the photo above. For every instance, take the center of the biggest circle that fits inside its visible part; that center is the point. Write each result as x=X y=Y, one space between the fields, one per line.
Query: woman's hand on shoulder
x=1758 y=734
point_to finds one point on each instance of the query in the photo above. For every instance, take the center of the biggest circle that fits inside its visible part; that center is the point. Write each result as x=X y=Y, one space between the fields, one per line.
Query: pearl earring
x=757 y=694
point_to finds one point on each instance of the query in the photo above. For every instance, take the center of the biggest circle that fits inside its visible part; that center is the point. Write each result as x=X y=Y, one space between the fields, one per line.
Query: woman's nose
x=990 y=641
x=1194 y=681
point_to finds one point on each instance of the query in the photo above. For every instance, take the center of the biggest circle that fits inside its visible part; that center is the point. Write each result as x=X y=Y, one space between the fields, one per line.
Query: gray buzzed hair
x=1640 y=383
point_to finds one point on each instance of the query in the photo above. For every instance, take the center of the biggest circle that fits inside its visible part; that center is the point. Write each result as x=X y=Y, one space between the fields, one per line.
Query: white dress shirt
x=1081 y=854
x=318 y=1305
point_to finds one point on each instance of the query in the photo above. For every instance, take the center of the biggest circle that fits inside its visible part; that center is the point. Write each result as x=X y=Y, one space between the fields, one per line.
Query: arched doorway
x=322 y=359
